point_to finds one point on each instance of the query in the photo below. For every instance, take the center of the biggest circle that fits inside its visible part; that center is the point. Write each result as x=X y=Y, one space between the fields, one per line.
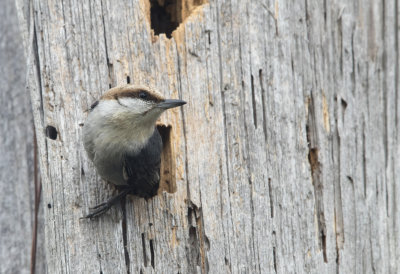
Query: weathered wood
x=17 y=165
x=286 y=155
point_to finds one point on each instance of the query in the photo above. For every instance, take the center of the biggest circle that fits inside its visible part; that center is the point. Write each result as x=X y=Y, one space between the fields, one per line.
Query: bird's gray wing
x=142 y=170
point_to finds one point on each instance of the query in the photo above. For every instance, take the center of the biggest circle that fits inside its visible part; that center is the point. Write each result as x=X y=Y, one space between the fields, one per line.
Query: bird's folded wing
x=142 y=170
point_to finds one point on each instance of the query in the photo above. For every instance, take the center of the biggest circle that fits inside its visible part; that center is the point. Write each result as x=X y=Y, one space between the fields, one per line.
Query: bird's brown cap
x=133 y=91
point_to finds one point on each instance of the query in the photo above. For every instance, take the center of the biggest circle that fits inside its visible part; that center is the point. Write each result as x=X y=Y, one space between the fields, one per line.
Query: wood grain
x=286 y=154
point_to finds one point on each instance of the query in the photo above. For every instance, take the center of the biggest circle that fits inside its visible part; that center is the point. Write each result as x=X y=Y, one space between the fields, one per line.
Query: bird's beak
x=170 y=103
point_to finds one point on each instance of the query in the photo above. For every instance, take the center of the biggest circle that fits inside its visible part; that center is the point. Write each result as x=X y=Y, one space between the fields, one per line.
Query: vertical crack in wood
x=325 y=15
x=344 y=107
x=199 y=243
x=353 y=73
x=371 y=246
x=264 y=109
x=337 y=191
x=253 y=100
x=274 y=254
x=340 y=41
x=252 y=215
x=271 y=201
x=109 y=65
x=312 y=139
x=38 y=189
x=36 y=63
x=364 y=159
x=144 y=250
x=152 y=253
x=204 y=242
x=99 y=259
x=193 y=254
x=124 y=235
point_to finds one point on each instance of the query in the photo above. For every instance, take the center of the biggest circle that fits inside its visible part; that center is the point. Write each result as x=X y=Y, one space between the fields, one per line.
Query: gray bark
x=285 y=158
x=17 y=165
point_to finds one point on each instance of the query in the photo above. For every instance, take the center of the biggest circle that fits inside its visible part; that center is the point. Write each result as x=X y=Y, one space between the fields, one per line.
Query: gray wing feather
x=142 y=170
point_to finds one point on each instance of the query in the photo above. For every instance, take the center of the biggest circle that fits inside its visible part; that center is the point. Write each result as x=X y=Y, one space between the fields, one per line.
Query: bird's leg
x=103 y=207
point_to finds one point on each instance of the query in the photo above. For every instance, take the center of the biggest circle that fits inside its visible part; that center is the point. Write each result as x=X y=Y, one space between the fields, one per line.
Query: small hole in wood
x=51 y=132
x=48 y=205
x=167 y=170
x=344 y=103
x=128 y=79
x=166 y=15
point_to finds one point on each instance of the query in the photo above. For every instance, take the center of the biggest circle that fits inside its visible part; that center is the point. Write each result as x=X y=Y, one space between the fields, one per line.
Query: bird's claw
x=105 y=206
x=99 y=209
x=97 y=206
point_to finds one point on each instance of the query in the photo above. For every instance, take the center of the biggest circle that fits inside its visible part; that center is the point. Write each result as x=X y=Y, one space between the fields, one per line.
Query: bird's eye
x=143 y=95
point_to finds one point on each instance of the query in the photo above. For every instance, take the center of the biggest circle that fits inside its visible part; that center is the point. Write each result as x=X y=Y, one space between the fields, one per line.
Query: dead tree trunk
x=17 y=160
x=284 y=160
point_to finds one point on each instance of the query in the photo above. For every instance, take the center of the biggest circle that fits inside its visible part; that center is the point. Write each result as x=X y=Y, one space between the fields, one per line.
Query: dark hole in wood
x=163 y=16
x=128 y=79
x=195 y=246
x=51 y=132
x=344 y=104
x=48 y=205
x=168 y=169
x=193 y=236
x=166 y=15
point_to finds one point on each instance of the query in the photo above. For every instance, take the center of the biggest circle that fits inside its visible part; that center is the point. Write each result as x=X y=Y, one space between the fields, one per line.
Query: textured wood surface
x=286 y=155
x=17 y=161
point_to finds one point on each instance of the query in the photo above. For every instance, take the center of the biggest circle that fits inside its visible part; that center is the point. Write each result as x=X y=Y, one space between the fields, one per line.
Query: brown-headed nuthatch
x=122 y=141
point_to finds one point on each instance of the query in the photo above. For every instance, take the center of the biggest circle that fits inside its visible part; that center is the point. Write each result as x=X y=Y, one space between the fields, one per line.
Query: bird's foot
x=105 y=206
x=99 y=210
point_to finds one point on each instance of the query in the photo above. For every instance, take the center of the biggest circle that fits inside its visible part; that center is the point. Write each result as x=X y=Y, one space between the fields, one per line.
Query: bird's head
x=140 y=105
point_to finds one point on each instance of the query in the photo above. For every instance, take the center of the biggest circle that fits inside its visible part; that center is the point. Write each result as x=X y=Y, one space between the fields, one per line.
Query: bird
x=121 y=139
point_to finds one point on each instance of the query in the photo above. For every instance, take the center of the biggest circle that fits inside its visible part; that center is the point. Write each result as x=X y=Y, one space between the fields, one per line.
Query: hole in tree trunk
x=167 y=169
x=166 y=15
x=51 y=132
